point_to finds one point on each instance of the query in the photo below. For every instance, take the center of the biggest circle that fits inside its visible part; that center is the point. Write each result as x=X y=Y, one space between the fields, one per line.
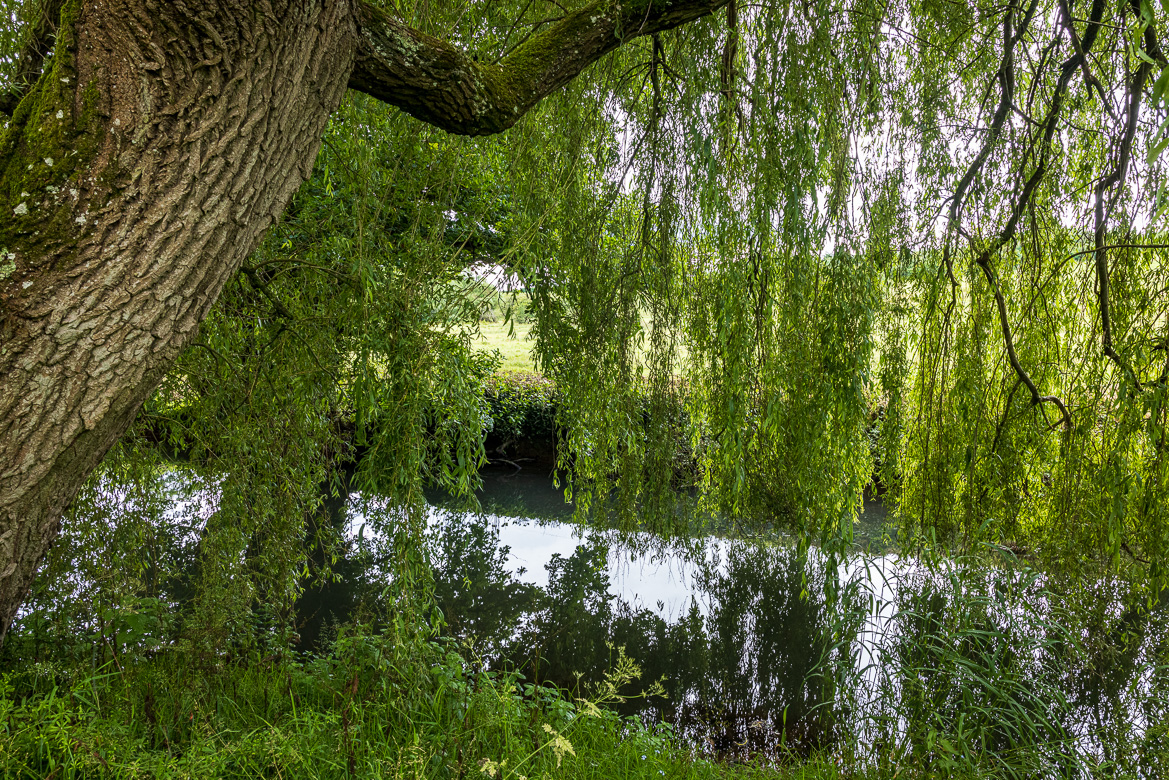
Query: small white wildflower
x=26 y=285
x=117 y=122
x=560 y=745
x=21 y=210
x=60 y=114
x=590 y=709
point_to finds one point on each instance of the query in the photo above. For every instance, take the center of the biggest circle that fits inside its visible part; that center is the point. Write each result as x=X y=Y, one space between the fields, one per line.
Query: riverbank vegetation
x=448 y=665
x=377 y=706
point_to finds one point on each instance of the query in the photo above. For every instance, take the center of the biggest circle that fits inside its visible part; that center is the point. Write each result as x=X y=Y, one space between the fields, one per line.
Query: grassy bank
x=377 y=706
x=967 y=698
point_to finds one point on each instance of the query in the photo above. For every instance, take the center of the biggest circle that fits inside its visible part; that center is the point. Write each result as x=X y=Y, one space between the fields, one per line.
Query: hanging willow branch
x=730 y=49
x=1114 y=182
x=1004 y=321
x=1081 y=48
x=983 y=260
x=1006 y=77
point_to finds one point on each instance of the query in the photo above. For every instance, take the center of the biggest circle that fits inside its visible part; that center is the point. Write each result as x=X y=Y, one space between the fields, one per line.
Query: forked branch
x=983 y=262
x=1067 y=70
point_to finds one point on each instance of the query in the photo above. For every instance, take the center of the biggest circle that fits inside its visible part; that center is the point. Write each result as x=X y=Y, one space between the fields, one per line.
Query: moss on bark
x=45 y=151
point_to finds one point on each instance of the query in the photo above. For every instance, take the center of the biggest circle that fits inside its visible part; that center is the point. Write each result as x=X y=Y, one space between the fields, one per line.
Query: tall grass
x=989 y=671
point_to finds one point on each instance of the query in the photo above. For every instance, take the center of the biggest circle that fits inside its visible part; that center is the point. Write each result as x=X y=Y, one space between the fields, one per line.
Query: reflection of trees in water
x=478 y=597
x=1121 y=690
x=994 y=666
x=989 y=664
x=756 y=685
x=742 y=679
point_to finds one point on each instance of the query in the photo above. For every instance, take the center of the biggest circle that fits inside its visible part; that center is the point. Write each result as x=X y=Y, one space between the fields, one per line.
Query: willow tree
x=947 y=211
x=922 y=239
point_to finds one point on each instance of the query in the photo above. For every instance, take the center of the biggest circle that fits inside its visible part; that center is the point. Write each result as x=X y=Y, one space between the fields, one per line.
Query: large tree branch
x=32 y=57
x=443 y=86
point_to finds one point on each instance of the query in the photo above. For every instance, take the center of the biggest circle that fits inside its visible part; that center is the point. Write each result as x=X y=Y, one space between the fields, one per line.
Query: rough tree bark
x=158 y=142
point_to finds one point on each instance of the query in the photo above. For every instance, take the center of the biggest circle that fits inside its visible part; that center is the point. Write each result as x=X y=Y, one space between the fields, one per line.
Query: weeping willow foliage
x=932 y=232
x=809 y=243
x=19 y=17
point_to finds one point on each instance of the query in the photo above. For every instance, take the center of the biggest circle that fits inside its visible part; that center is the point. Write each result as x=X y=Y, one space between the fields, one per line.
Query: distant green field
x=510 y=340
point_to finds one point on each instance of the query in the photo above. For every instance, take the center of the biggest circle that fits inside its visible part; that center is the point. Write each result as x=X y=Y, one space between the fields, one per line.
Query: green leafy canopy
x=809 y=242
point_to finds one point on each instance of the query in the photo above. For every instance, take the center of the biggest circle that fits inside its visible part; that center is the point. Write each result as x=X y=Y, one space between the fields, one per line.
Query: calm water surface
x=761 y=651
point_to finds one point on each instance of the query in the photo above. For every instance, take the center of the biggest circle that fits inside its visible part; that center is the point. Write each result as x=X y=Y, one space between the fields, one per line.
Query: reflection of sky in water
x=660 y=582
x=532 y=518
x=533 y=521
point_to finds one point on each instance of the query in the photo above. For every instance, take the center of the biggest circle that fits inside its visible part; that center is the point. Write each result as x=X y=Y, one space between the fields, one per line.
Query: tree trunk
x=160 y=142
x=137 y=175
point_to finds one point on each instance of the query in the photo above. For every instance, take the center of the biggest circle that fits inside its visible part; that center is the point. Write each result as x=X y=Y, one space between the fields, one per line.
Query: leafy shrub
x=523 y=406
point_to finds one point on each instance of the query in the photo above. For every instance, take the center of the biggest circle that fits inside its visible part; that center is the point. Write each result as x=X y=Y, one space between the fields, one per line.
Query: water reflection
x=956 y=663
x=745 y=665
